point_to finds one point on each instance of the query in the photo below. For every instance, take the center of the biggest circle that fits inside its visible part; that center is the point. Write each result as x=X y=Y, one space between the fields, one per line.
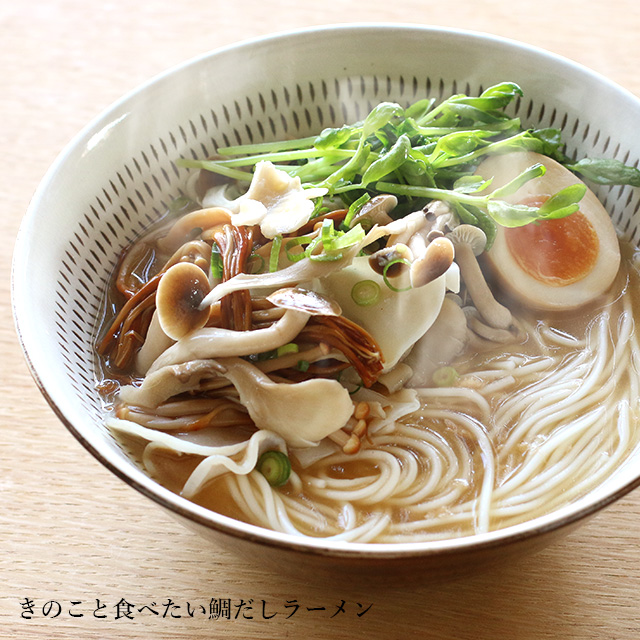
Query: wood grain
x=72 y=532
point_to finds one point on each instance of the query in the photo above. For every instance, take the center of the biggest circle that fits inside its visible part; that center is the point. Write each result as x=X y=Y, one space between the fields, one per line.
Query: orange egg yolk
x=555 y=252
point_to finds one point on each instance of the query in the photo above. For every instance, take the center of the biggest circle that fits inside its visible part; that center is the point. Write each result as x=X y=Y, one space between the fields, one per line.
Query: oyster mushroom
x=440 y=345
x=315 y=304
x=180 y=292
x=469 y=241
x=168 y=382
x=322 y=406
x=213 y=342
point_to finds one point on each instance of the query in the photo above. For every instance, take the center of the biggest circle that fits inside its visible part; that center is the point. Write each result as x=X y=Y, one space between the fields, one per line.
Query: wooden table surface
x=76 y=543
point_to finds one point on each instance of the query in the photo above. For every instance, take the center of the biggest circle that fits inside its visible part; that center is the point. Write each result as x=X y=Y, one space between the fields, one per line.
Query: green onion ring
x=386 y=279
x=275 y=466
x=365 y=293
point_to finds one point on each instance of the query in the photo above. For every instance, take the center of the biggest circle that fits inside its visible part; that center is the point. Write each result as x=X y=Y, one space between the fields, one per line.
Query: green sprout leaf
x=606 y=171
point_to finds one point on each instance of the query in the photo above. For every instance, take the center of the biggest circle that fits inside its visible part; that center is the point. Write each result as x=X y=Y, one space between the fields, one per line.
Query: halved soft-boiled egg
x=551 y=264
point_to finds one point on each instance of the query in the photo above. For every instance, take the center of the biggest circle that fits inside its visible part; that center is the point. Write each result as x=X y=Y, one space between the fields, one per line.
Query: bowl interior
x=119 y=175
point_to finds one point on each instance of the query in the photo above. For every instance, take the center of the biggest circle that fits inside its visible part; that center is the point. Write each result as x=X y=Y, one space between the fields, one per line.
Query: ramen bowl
x=119 y=174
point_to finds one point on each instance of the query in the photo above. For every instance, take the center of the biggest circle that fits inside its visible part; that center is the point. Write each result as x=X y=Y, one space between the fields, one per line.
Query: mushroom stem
x=501 y=336
x=496 y=314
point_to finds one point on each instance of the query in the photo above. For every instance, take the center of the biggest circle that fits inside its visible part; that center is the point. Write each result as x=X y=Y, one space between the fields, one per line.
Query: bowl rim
x=561 y=518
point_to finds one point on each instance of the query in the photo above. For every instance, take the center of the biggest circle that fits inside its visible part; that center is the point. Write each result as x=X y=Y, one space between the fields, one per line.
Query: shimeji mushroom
x=180 y=292
x=376 y=210
x=392 y=260
x=487 y=332
x=469 y=241
x=431 y=259
x=409 y=244
x=445 y=218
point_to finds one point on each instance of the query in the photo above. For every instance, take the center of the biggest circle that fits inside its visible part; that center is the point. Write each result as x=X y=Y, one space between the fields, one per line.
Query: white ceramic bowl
x=118 y=174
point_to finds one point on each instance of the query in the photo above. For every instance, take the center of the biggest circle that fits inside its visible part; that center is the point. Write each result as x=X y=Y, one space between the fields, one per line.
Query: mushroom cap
x=305 y=300
x=180 y=292
x=435 y=261
x=380 y=260
x=377 y=209
x=470 y=235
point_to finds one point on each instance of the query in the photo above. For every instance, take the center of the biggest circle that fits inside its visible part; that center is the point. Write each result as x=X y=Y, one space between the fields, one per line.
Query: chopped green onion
x=290 y=347
x=303 y=365
x=365 y=293
x=445 y=376
x=296 y=242
x=275 y=466
x=275 y=253
x=319 y=208
x=327 y=234
x=353 y=236
x=386 y=279
x=354 y=209
x=351 y=393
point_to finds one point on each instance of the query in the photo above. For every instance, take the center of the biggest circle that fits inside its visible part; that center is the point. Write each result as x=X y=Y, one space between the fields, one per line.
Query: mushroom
x=480 y=328
x=469 y=241
x=395 y=379
x=322 y=406
x=444 y=216
x=213 y=342
x=156 y=341
x=403 y=229
x=220 y=195
x=396 y=254
x=200 y=219
x=376 y=210
x=180 y=292
x=429 y=258
x=439 y=346
x=276 y=201
x=301 y=271
x=196 y=251
x=301 y=299
x=433 y=259
x=168 y=382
